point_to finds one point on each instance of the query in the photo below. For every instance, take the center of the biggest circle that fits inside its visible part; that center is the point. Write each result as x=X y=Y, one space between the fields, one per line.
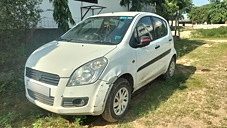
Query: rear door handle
x=156 y=47
x=170 y=40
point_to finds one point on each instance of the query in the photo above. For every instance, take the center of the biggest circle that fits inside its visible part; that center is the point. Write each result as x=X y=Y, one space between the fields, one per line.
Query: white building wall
x=48 y=21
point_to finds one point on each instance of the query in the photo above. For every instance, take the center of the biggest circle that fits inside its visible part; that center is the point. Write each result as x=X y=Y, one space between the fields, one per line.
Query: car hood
x=62 y=58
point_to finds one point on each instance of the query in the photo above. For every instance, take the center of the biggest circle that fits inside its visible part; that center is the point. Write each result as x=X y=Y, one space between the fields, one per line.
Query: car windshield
x=101 y=30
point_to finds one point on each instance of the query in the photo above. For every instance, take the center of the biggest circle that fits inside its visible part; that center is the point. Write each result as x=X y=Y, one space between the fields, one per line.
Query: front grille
x=44 y=77
x=41 y=98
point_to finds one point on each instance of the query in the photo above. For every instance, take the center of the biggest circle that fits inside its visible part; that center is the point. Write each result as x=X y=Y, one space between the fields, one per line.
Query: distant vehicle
x=94 y=68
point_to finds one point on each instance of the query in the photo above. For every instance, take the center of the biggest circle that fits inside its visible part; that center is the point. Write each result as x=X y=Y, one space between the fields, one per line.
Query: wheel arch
x=130 y=79
x=175 y=57
x=106 y=111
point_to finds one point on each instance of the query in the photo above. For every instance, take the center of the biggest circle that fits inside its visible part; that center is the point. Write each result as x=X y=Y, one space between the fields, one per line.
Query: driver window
x=143 y=28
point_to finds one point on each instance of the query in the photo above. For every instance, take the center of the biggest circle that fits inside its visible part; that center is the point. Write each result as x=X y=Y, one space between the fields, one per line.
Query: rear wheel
x=118 y=101
x=171 y=69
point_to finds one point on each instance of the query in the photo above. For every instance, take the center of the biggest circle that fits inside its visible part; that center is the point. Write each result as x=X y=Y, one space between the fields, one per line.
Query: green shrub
x=220 y=32
x=18 y=19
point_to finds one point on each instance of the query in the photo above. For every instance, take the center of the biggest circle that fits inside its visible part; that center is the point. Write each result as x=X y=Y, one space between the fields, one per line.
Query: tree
x=200 y=14
x=159 y=4
x=218 y=12
x=169 y=9
x=192 y=15
x=164 y=8
x=215 y=12
x=16 y=18
x=62 y=14
x=136 y=4
x=215 y=1
x=125 y=3
x=173 y=9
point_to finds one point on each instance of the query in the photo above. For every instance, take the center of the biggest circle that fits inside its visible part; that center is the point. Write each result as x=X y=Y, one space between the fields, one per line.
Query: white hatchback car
x=95 y=67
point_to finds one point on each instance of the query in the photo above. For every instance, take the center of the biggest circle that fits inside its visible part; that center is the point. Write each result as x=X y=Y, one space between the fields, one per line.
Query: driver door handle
x=156 y=47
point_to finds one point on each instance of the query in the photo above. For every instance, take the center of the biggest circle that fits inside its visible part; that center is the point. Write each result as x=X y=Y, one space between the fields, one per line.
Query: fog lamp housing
x=80 y=102
x=75 y=102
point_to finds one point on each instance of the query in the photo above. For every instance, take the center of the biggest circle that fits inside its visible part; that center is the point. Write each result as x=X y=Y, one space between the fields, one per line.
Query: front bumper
x=59 y=99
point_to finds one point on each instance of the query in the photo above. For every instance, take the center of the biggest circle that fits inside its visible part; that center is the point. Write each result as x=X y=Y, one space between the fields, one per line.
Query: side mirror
x=144 y=41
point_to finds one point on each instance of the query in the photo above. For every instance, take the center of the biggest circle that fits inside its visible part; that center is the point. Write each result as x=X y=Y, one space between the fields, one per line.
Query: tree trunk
x=176 y=24
x=172 y=23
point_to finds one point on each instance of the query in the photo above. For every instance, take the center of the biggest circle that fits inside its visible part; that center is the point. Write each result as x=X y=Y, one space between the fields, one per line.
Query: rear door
x=163 y=41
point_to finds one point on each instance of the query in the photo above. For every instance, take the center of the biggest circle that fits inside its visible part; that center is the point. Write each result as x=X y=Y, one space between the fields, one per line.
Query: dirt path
x=184 y=34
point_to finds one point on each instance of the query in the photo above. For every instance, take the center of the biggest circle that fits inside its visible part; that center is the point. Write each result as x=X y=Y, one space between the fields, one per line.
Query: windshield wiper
x=69 y=40
x=61 y=39
x=104 y=42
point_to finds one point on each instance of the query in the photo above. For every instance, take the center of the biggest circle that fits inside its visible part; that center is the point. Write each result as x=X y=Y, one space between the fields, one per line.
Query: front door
x=148 y=66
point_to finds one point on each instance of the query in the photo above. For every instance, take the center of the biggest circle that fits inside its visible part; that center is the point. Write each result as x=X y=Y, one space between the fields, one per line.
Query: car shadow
x=157 y=92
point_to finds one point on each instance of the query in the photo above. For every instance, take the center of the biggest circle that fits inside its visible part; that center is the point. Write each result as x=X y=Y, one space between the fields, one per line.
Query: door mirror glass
x=144 y=41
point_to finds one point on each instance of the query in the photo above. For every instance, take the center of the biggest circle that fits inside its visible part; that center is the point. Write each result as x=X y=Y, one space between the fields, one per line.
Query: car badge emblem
x=38 y=76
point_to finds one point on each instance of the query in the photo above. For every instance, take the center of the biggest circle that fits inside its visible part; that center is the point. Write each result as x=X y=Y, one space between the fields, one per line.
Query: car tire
x=118 y=101
x=171 y=69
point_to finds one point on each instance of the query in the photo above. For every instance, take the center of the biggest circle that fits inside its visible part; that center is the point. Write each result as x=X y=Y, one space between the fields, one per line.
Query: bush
x=16 y=18
x=220 y=32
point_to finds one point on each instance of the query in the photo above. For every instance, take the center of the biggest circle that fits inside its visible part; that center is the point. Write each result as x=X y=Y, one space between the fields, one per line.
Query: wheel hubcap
x=121 y=101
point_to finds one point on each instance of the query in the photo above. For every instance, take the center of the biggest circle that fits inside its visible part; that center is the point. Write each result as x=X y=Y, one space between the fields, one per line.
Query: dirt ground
x=184 y=34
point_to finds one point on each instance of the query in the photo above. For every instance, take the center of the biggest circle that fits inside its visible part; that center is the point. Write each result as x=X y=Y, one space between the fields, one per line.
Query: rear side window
x=160 y=27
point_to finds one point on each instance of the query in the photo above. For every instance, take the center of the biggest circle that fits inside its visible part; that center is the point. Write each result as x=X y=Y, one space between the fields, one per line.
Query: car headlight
x=88 y=73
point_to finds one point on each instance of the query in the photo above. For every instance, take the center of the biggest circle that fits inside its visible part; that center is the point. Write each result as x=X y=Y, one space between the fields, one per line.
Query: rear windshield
x=101 y=30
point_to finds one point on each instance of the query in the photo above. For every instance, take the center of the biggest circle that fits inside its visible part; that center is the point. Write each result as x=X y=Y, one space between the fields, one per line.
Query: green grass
x=220 y=32
x=195 y=97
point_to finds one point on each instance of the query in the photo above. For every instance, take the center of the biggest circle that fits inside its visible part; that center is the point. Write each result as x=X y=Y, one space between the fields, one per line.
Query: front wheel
x=118 y=101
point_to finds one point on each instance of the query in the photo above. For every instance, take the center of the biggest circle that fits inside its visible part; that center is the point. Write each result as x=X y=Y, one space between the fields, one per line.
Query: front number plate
x=38 y=88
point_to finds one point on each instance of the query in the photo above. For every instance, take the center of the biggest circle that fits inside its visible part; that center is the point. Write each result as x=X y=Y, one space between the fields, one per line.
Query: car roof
x=123 y=14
